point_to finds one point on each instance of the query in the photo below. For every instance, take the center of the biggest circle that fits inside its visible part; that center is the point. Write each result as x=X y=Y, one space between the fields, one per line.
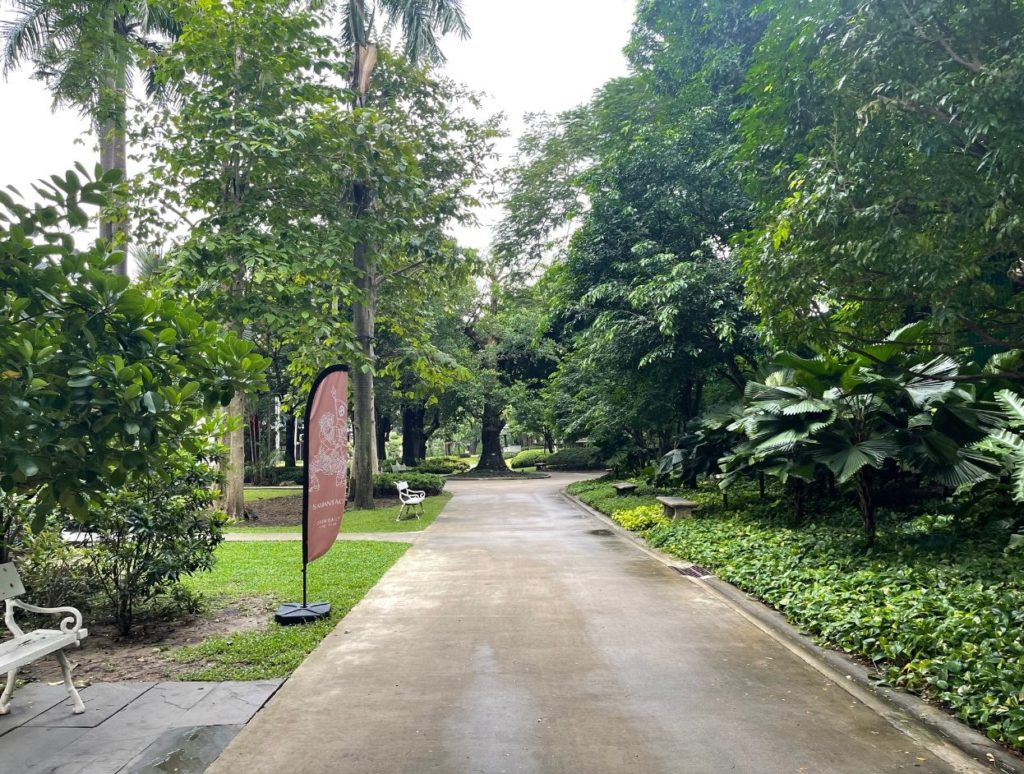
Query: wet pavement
x=127 y=728
x=519 y=634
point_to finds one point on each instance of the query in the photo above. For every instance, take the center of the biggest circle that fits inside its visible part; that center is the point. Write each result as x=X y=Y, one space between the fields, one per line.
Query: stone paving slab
x=128 y=727
x=25 y=749
x=102 y=701
x=29 y=701
x=188 y=749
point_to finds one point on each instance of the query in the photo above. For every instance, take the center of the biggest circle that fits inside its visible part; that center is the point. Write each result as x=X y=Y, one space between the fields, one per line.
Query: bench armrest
x=417 y=492
x=72 y=622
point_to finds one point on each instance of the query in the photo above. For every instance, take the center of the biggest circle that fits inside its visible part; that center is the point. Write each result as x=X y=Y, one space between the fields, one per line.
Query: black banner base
x=295 y=613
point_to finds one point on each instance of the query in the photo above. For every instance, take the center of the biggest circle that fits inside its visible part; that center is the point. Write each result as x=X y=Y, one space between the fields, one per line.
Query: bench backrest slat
x=10 y=582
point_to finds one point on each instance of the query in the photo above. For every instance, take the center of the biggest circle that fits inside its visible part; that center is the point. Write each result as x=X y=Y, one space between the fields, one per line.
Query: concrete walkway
x=520 y=635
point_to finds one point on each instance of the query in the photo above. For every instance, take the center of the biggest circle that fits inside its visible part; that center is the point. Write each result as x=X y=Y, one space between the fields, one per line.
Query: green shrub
x=54 y=572
x=291 y=475
x=641 y=518
x=528 y=458
x=152 y=532
x=442 y=465
x=384 y=483
x=577 y=458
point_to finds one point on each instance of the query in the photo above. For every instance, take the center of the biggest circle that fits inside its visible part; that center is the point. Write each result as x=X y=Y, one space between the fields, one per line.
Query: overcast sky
x=527 y=55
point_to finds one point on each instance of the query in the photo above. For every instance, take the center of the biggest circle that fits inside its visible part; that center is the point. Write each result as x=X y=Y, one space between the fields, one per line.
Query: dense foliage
x=384 y=483
x=153 y=532
x=96 y=376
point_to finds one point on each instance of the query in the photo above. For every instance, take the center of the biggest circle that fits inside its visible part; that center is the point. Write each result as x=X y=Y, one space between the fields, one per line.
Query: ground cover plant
x=937 y=606
x=271 y=571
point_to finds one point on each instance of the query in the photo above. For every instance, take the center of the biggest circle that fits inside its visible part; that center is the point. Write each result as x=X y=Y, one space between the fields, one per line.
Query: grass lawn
x=272 y=571
x=377 y=520
x=253 y=493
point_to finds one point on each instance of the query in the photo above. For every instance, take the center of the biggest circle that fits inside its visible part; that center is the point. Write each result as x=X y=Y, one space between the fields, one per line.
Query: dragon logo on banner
x=331 y=456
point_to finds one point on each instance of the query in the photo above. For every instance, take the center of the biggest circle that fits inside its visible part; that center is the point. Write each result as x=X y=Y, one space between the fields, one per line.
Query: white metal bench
x=412 y=499
x=26 y=648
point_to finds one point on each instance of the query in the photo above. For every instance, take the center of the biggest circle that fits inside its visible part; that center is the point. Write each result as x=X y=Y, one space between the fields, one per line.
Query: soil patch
x=104 y=656
x=286 y=511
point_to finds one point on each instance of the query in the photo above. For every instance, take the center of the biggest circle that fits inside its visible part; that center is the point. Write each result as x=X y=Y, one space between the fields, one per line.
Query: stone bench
x=677 y=507
x=541 y=466
x=26 y=648
x=623 y=488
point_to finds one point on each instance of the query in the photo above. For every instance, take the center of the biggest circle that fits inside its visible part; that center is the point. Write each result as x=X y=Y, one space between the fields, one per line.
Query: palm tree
x=87 y=53
x=421 y=23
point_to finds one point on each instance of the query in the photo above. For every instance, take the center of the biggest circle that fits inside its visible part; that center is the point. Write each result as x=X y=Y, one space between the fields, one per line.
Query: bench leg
x=65 y=667
x=400 y=512
x=5 y=698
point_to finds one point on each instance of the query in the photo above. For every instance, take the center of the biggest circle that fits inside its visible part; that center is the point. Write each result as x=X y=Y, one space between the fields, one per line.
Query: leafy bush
x=153 y=532
x=528 y=458
x=442 y=465
x=937 y=604
x=641 y=518
x=101 y=375
x=54 y=572
x=576 y=458
x=288 y=475
x=384 y=483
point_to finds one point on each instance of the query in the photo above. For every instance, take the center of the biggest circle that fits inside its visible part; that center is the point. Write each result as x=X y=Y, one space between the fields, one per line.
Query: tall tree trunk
x=364 y=307
x=114 y=155
x=234 y=478
x=490 y=438
x=868 y=509
x=413 y=442
x=549 y=441
x=383 y=432
x=289 y=440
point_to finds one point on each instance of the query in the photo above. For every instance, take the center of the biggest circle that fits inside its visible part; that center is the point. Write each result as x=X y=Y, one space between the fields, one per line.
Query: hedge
x=576 y=458
x=384 y=483
x=528 y=458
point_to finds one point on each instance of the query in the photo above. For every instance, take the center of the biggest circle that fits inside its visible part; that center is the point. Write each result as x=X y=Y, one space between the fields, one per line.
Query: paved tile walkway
x=521 y=635
x=127 y=728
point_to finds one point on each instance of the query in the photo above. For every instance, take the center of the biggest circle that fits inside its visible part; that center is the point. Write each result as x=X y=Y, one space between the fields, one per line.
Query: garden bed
x=936 y=608
x=236 y=638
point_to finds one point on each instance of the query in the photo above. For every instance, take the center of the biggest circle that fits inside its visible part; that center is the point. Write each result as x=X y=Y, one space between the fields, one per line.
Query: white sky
x=527 y=55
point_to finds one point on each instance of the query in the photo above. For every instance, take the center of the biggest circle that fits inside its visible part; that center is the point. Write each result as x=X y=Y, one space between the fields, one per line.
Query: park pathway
x=520 y=635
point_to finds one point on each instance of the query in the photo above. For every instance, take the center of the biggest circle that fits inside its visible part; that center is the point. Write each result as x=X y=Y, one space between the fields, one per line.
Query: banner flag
x=326 y=444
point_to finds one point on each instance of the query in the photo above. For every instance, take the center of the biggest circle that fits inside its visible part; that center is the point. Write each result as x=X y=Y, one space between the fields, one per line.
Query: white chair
x=411 y=498
x=26 y=648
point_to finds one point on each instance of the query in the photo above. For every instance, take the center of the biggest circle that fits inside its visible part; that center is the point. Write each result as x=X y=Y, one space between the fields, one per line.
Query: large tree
x=421 y=25
x=87 y=53
x=882 y=145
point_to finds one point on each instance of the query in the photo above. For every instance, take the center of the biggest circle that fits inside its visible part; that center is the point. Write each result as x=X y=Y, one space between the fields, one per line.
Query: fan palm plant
x=87 y=53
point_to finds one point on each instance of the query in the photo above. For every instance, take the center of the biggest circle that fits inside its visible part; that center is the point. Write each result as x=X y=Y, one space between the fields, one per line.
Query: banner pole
x=335 y=423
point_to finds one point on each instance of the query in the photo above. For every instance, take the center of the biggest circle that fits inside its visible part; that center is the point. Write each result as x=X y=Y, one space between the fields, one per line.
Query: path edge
x=903 y=708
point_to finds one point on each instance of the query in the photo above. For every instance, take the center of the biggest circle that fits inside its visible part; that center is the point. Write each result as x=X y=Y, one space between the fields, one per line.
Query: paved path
x=519 y=635
x=127 y=728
